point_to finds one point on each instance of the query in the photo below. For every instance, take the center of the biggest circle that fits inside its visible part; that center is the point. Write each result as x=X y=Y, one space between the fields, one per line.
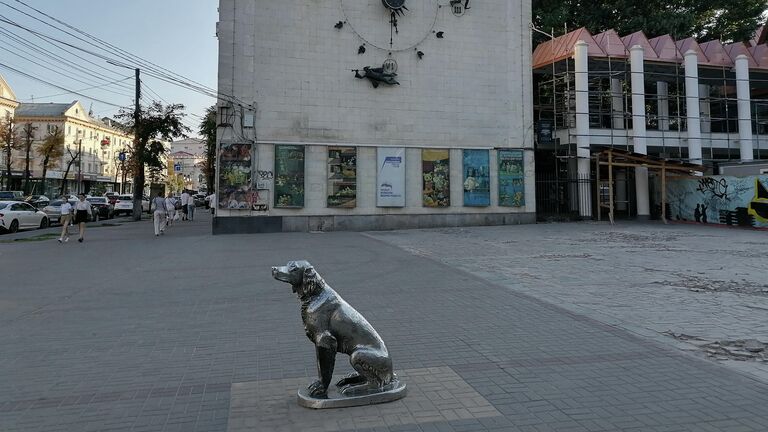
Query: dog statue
x=335 y=326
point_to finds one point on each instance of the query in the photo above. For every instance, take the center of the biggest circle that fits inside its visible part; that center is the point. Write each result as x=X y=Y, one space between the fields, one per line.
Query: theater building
x=350 y=115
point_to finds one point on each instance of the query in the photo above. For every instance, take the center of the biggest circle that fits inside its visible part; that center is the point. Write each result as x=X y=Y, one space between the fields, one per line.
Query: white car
x=124 y=204
x=15 y=215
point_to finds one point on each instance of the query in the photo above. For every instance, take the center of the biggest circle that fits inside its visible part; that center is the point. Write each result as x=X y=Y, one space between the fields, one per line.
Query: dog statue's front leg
x=325 y=346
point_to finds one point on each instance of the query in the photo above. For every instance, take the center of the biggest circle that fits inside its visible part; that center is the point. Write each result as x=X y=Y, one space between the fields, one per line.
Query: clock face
x=394 y=4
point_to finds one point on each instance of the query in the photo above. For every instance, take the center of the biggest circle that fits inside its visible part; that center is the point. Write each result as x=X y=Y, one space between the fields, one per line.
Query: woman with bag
x=66 y=218
x=82 y=214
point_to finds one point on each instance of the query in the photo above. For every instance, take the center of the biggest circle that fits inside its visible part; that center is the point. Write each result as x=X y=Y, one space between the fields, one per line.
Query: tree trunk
x=138 y=181
x=26 y=169
x=45 y=171
x=8 y=167
x=66 y=173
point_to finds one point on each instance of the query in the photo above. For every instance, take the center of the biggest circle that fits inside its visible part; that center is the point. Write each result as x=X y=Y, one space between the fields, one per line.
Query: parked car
x=16 y=215
x=111 y=197
x=12 y=195
x=199 y=200
x=124 y=204
x=53 y=211
x=37 y=201
x=104 y=210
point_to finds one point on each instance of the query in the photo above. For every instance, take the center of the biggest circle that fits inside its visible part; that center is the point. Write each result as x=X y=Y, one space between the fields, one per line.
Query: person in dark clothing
x=697 y=213
x=703 y=213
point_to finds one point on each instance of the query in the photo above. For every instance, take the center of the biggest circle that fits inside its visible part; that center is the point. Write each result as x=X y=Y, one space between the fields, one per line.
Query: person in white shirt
x=212 y=202
x=66 y=218
x=184 y=205
x=191 y=209
x=159 y=215
x=170 y=209
x=82 y=214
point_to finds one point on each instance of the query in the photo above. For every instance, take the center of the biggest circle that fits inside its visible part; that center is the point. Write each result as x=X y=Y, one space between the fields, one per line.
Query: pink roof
x=736 y=49
x=716 y=53
x=760 y=54
x=638 y=38
x=690 y=44
x=663 y=48
x=610 y=42
x=562 y=47
x=666 y=49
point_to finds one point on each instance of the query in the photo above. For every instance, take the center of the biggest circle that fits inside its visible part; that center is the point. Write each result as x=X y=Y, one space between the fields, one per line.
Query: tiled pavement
x=128 y=332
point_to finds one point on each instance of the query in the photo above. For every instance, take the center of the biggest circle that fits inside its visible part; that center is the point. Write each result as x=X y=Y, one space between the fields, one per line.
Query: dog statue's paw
x=318 y=390
x=352 y=378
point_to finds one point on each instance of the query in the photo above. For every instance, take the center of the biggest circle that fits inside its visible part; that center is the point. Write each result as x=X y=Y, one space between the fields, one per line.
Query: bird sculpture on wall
x=361 y=50
x=420 y=54
x=440 y=34
x=339 y=25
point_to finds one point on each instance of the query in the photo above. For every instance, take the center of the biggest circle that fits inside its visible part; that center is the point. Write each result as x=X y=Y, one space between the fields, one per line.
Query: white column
x=662 y=104
x=582 y=126
x=638 y=128
x=617 y=104
x=745 y=110
x=705 y=109
x=692 y=106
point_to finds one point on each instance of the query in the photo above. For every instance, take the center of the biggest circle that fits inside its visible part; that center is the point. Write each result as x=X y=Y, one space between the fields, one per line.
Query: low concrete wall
x=266 y=224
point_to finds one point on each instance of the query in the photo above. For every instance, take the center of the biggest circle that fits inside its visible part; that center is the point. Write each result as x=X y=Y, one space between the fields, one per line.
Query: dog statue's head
x=301 y=275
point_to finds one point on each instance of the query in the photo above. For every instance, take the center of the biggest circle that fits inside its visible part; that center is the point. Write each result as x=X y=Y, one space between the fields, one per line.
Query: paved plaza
x=562 y=327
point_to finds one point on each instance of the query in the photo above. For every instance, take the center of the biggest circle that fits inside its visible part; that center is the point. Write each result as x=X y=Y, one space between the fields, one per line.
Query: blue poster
x=511 y=178
x=477 y=178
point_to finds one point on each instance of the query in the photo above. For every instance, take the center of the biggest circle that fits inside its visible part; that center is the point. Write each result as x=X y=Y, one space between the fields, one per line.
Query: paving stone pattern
x=128 y=332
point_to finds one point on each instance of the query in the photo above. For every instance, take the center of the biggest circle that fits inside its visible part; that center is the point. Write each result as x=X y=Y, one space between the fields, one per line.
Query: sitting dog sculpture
x=335 y=326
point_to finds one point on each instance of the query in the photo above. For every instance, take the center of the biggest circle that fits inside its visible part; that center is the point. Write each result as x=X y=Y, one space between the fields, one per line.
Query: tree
x=72 y=158
x=29 y=139
x=52 y=149
x=9 y=138
x=158 y=122
x=703 y=19
x=208 y=131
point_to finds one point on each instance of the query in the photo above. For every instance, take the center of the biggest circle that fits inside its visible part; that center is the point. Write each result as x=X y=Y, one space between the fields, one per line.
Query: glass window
x=3 y=205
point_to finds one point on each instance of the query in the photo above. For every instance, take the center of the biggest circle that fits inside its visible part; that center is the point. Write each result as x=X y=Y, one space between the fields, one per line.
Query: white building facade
x=97 y=166
x=373 y=115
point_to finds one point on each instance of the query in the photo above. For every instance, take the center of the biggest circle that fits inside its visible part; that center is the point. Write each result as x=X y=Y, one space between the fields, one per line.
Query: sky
x=178 y=35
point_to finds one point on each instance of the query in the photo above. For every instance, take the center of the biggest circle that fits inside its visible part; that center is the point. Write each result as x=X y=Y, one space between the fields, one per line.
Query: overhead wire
x=81 y=90
x=148 y=65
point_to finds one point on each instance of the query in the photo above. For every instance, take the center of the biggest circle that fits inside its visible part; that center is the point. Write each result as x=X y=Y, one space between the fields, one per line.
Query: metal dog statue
x=335 y=326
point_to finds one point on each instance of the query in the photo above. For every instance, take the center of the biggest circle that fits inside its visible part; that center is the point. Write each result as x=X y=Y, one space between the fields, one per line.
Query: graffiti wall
x=726 y=200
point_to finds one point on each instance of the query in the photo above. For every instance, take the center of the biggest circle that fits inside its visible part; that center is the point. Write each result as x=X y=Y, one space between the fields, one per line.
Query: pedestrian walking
x=82 y=214
x=65 y=219
x=212 y=202
x=191 y=209
x=184 y=205
x=159 y=216
x=170 y=210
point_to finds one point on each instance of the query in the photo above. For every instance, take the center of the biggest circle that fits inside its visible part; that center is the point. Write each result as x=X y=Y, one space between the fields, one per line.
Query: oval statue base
x=337 y=400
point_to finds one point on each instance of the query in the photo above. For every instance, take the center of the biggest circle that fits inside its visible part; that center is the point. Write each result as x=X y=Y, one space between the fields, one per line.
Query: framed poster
x=436 y=168
x=289 y=176
x=390 y=177
x=342 y=177
x=511 y=178
x=477 y=178
x=235 y=177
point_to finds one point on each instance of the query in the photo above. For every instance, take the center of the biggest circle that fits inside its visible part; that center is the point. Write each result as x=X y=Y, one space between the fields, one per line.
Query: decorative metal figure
x=376 y=76
x=335 y=326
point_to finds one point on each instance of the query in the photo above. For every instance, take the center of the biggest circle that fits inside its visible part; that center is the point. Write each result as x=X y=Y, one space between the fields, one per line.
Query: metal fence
x=562 y=196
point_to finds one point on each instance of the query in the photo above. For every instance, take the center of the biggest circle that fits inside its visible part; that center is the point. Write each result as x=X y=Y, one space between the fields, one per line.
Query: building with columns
x=373 y=115
x=679 y=100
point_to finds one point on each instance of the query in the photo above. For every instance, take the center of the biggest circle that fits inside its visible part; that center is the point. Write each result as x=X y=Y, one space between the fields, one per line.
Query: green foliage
x=208 y=131
x=703 y=19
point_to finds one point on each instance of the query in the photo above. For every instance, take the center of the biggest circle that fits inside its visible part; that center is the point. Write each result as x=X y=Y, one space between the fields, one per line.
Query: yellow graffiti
x=758 y=207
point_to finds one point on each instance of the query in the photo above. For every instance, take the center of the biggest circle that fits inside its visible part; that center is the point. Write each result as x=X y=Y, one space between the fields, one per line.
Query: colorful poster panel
x=289 y=176
x=436 y=167
x=342 y=177
x=477 y=178
x=740 y=201
x=511 y=178
x=235 y=179
x=390 y=177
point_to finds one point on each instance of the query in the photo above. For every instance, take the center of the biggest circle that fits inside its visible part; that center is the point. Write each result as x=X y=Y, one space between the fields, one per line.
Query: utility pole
x=138 y=175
